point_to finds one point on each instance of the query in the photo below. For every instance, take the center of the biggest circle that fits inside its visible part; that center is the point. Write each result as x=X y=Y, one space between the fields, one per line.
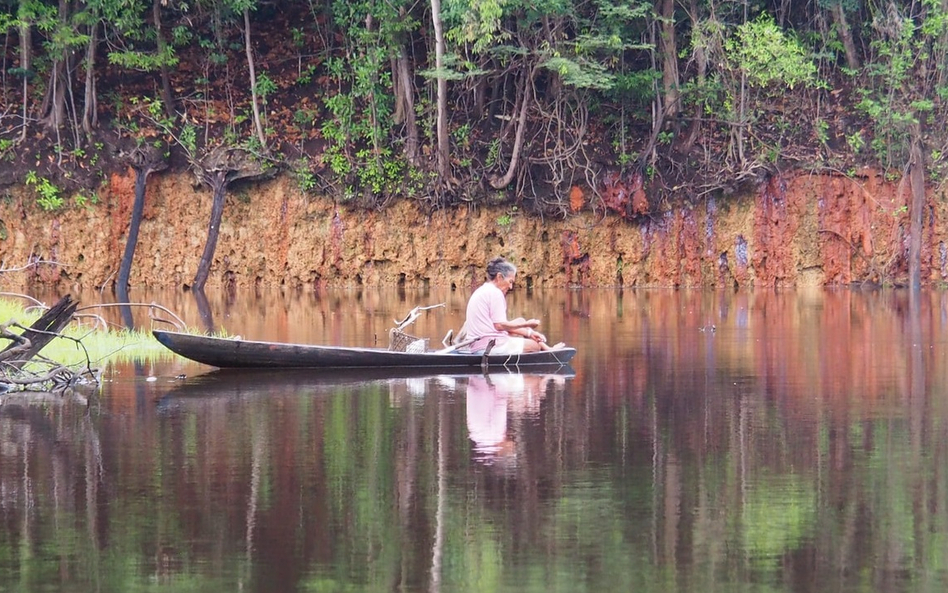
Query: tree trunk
x=916 y=208
x=167 y=97
x=701 y=61
x=669 y=51
x=444 y=153
x=26 y=62
x=257 y=124
x=141 y=176
x=218 y=183
x=90 y=116
x=500 y=183
x=41 y=332
x=845 y=35
x=54 y=104
x=406 y=105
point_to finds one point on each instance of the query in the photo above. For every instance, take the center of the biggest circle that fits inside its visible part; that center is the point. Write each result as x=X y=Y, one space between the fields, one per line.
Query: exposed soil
x=796 y=230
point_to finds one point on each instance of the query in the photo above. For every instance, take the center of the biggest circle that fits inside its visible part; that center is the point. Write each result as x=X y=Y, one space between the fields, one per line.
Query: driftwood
x=28 y=344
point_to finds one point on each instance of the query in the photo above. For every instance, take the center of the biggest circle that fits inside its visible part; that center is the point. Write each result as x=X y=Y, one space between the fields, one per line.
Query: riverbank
x=798 y=230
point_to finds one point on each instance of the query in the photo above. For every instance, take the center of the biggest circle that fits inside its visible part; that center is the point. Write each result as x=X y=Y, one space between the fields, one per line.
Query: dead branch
x=32 y=264
x=177 y=322
x=35 y=337
x=17 y=295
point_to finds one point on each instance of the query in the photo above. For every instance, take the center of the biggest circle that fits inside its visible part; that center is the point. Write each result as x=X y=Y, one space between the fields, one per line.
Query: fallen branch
x=31 y=264
x=177 y=322
x=34 y=338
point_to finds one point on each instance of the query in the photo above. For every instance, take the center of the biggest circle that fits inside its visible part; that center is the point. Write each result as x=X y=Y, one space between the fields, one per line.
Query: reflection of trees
x=818 y=464
x=798 y=448
x=50 y=483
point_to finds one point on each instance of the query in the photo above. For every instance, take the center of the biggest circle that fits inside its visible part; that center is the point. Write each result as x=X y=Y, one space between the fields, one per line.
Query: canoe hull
x=237 y=353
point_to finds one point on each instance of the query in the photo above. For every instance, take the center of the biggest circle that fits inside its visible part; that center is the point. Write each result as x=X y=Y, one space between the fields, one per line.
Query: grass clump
x=102 y=345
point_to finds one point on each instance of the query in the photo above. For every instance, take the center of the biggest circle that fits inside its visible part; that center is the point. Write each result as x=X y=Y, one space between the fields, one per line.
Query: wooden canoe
x=238 y=353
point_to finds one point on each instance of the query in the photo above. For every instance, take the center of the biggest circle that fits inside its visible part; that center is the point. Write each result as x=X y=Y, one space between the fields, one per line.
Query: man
x=487 y=316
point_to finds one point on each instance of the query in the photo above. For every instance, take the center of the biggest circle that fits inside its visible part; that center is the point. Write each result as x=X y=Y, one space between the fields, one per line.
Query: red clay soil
x=801 y=229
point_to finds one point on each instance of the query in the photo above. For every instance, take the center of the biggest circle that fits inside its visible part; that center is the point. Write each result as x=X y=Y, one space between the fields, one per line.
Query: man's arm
x=518 y=327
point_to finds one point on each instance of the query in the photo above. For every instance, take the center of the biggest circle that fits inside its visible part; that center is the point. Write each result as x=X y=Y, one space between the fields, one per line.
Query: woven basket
x=399 y=341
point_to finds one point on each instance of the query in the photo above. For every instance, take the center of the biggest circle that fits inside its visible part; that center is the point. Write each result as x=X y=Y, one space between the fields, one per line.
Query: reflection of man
x=487 y=414
x=490 y=398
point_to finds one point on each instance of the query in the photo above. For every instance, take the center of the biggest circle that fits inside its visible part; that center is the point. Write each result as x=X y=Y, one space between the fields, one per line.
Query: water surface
x=699 y=442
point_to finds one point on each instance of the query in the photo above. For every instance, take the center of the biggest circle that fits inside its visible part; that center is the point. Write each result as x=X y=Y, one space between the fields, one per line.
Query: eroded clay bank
x=797 y=230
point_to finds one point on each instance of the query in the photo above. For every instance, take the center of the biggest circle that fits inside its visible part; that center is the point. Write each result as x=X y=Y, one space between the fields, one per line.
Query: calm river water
x=700 y=442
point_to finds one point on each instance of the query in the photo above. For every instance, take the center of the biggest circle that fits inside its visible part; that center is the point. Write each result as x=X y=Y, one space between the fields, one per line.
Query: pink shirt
x=487 y=306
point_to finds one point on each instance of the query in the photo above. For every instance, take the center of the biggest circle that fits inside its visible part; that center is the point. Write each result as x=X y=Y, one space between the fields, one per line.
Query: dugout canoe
x=225 y=352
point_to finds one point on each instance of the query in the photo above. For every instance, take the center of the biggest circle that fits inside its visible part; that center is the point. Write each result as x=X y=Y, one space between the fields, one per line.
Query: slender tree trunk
x=138 y=208
x=167 y=97
x=845 y=35
x=26 y=62
x=54 y=104
x=526 y=96
x=406 y=101
x=916 y=208
x=444 y=154
x=257 y=124
x=701 y=61
x=90 y=116
x=669 y=51
x=742 y=108
x=218 y=183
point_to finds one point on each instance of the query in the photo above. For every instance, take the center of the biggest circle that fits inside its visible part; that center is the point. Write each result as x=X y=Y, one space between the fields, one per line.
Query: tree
x=144 y=159
x=217 y=169
x=243 y=7
x=133 y=49
x=372 y=83
x=669 y=53
x=837 y=10
x=444 y=149
x=906 y=78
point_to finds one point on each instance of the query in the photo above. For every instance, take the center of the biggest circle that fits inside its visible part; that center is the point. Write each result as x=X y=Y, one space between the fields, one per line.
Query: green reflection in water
x=649 y=473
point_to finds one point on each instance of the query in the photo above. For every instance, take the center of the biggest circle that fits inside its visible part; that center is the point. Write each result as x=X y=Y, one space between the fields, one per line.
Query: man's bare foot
x=556 y=346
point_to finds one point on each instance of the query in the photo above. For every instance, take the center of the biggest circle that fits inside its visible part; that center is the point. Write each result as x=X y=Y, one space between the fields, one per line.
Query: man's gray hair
x=499 y=265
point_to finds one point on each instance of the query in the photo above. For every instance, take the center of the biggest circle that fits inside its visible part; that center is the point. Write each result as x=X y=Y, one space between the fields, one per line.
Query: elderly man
x=487 y=316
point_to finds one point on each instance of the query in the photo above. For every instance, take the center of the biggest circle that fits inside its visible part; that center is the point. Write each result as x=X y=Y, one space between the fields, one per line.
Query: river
x=700 y=441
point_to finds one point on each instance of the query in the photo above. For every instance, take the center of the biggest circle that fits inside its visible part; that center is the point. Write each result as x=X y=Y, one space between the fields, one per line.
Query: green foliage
x=767 y=56
x=306 y=76
x=493 y=153
x=305 y=178
x=506 y=219
x=189 y=139
x=48 y=197
x=145 y=61
x=475 y=21
x=265 y=86
x=6 y=149
x=899 y=94
x=360 y=126
x=581 y=73
x=855 y=141
x=82 y=200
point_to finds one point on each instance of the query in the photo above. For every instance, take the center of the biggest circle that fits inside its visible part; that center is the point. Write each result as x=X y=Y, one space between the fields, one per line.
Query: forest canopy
x=475 y=100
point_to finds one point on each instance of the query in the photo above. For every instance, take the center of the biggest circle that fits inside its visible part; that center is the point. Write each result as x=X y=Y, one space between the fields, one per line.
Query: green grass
x=102 y=345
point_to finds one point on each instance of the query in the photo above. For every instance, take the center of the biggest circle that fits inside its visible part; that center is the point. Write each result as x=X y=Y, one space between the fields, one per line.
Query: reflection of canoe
x=237 y=353
x=237 y=383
